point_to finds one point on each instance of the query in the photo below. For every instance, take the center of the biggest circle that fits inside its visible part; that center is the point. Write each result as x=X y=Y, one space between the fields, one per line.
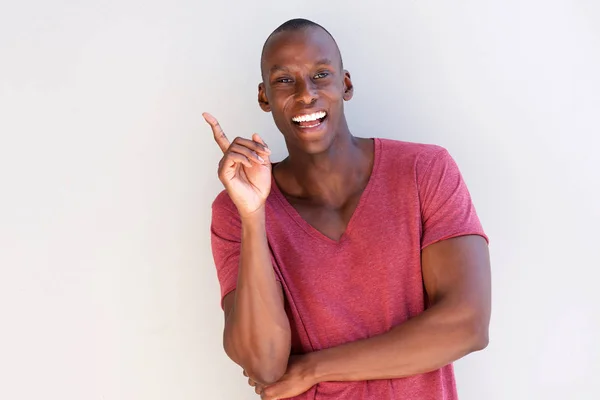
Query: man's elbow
x=478 y=334
x=261 y=368
x=266 y=375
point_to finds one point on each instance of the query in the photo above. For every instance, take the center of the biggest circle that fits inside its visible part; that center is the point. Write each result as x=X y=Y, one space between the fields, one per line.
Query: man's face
x=305 y=87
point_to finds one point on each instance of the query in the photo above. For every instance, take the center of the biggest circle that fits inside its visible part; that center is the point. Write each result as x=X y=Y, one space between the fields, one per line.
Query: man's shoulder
x=223 y=203
x=415 y=151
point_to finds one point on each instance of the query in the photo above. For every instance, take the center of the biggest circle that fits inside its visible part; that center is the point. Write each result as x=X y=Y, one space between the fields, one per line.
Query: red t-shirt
x=370 y=280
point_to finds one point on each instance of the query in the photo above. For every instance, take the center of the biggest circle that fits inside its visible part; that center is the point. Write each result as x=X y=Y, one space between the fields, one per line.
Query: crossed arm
x=456 y=276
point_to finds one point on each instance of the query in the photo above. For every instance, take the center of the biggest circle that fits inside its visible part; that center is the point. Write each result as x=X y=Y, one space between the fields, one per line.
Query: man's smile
x=311 y=120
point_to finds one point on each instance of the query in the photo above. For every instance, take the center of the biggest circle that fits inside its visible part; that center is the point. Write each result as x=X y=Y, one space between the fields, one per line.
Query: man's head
x=304 y=85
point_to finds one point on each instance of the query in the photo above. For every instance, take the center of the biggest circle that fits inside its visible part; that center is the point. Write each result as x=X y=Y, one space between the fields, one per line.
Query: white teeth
x=310 y=117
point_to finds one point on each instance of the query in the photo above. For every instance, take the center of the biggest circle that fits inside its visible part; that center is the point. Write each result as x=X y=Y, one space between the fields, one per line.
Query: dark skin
x=325 y=172
x=323 y=177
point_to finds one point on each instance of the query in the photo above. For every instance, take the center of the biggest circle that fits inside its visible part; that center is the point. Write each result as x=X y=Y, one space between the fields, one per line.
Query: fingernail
x=260 y=158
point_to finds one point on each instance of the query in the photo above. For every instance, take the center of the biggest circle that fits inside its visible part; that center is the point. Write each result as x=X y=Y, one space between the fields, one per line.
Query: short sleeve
x=226 y=240
x=446 y=207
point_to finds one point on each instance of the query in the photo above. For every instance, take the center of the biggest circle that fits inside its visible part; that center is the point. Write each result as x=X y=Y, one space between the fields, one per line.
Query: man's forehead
x=312 y=45
x=285 y=67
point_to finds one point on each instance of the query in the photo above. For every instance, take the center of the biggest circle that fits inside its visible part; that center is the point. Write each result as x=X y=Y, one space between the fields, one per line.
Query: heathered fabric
x=370 y=280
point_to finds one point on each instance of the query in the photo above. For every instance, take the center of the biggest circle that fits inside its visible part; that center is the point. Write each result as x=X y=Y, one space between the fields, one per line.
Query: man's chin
x=314 y=144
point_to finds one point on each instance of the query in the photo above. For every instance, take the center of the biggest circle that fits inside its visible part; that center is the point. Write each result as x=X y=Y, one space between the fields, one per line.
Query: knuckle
x=235 y=146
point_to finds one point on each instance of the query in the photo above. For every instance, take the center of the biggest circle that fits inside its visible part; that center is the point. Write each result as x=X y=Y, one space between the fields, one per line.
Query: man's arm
x=257 y=331
x=456 y=273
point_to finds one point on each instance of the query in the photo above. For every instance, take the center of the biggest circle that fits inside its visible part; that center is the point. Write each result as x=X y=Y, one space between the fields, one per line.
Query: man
x=355 y=268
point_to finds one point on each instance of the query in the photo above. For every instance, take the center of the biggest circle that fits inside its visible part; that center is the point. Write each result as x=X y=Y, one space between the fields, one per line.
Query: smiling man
x=354 y=269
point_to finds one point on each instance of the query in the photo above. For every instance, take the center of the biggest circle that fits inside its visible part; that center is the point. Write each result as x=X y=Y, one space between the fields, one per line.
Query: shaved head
x=292 y=25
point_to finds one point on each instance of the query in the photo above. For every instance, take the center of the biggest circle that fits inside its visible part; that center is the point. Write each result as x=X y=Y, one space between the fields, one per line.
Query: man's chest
x=358 y=243
x=331 y=222
x=354 y=289
x=365 y=283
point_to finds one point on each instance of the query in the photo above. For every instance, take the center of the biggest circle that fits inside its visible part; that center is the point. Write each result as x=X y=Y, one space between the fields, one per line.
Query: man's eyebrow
x=280 y=68
x=324 y=61
x=276 y=68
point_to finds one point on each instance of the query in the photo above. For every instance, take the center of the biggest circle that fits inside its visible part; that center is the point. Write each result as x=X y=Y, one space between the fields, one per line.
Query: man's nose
x=306 y=92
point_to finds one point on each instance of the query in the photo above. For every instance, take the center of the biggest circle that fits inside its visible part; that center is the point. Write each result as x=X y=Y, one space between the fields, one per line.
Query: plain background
x=107 y=171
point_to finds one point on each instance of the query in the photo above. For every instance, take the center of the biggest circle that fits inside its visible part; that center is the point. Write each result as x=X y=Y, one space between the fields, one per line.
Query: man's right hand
x=244 y=170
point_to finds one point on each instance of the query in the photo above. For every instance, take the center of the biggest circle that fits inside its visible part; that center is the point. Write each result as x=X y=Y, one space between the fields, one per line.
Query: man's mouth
x=310 y=120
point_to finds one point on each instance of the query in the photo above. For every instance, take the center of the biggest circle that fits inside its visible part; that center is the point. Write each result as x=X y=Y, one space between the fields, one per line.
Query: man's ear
x=348 y=87
x=263 y=102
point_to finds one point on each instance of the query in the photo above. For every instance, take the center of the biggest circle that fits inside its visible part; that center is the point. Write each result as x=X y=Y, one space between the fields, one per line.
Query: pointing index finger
x=218 y=133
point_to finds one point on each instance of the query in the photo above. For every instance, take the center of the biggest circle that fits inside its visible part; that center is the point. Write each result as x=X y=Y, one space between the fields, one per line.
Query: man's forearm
x=257 y=334
x=425 y=343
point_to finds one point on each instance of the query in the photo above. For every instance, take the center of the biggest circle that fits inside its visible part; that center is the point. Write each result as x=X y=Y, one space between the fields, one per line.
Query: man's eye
x=284 y=80
x=321 y=75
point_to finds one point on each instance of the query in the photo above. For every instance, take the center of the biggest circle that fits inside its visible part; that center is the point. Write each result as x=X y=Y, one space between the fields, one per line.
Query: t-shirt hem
x=225 y=293
x=456 y=234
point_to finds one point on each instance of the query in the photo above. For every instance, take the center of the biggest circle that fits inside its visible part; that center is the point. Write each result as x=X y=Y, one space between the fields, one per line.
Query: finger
x=235 y=158
x=244 y=372
x=251 y=382
x=256 y=137
x=218 y=133
x=253 y=145
x=251 y=155
x=267 y=394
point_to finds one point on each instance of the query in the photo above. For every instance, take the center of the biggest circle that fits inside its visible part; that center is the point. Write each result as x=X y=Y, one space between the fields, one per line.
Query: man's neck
x=328 y=178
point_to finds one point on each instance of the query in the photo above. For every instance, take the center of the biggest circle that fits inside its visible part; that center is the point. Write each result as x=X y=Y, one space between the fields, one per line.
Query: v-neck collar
x=311 y=230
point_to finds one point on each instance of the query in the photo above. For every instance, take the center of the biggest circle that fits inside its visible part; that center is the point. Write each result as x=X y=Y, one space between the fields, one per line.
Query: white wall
x=107 y=172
